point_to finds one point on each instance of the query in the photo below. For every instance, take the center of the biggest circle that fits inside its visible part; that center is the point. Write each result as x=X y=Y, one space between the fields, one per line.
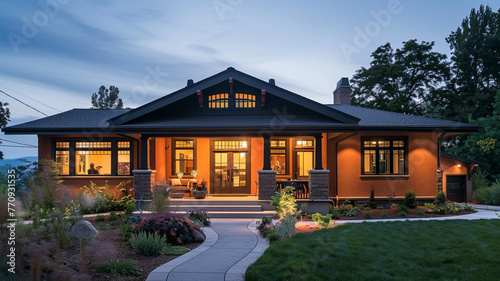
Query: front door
x=230 y=169
x=455 y=188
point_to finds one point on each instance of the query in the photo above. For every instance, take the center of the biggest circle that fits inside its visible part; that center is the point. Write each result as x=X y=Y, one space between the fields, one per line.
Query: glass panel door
x=230 y=172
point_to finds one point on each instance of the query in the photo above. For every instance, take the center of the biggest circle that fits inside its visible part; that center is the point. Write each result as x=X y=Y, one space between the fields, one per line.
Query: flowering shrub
x=285 y=203
x=177 y=229
x=447 y=208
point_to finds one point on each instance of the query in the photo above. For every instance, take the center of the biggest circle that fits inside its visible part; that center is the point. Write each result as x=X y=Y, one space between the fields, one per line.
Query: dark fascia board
x=466 y=160
x=241 y=77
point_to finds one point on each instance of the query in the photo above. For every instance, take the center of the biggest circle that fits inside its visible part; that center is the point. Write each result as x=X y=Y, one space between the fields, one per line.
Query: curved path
x=231 y=246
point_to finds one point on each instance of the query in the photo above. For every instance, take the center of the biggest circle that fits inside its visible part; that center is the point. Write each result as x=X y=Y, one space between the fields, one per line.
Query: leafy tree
x=475 y=49
x=400 y=80
x=107 y=99
x=481 y=145
x=4 y=118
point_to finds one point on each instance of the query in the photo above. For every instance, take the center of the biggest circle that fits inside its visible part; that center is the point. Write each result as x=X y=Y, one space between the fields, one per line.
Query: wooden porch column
x=144 y=152
x=319 y=154
x=267 y=153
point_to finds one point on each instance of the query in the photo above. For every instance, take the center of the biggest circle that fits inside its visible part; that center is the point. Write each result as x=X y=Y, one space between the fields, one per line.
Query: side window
x=382 y=156
x=279 y=156
x=183 y=156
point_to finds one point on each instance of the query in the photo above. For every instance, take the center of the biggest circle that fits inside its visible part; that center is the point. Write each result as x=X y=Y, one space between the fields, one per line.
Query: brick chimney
x=342 y=95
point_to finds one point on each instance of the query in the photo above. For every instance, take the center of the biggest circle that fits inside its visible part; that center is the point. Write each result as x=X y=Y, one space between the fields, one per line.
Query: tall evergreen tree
x=107 y=99
x=475 y=49
x=400 y=80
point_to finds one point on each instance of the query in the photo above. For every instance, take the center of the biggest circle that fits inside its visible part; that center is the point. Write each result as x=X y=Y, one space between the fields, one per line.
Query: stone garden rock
x=84 y=230
x=199 y=237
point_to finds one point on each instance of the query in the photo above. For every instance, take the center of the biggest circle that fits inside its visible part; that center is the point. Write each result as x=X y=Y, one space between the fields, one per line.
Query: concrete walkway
x=231 y=246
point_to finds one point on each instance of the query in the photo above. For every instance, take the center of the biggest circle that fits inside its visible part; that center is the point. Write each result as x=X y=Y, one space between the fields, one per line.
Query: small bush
x=273 y=236
x=285 y=203
x=346 y=207
x=371 y=202
x=176 y=228
x=394 y=205
x=125 y=232
x=148 y=244
x=479 y=179
x=264 y=226
x=160 y=202
x=402 y=213
x=440 y=198
x=410 y=199
x=335 y=212
x=368 y=215
x=404 y=208
x=494 y=194
x=199 y=217
x=119 y=267
x=380 y=207
x=134 y=219
x=100 y=218
x=384 y=214
x=421 y=212
x=469 y=209
x=176 y=250
x=112 y=217
x=285 y=228
x=321 y=220
x=368 y=209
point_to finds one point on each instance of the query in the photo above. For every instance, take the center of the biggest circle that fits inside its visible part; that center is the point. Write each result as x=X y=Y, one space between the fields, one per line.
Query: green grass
x=418 y=250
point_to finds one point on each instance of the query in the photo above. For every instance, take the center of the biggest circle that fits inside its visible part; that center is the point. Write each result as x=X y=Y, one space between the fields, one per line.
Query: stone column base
x=318 y=184
x=267 y=184
x=143 y=182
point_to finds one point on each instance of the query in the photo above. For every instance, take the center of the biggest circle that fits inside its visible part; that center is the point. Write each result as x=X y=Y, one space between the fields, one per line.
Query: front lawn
x=417 y=250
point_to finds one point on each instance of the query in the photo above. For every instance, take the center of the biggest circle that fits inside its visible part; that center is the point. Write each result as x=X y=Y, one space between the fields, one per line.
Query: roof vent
x=272 y=82
x=190 y=82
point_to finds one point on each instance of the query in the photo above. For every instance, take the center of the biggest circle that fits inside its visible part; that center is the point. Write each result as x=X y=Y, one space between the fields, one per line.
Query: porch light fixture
x=194 y=173
x=459 y=165
x=180 y=174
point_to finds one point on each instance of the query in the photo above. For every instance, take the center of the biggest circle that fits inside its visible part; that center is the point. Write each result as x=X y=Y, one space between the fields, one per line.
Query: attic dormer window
x=225 y=100
x=218 y=100
x=244 y=100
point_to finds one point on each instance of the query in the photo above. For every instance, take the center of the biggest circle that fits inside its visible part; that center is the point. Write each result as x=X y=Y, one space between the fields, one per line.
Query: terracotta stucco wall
x=451 y=167
x=257 y=153
x=422 y=166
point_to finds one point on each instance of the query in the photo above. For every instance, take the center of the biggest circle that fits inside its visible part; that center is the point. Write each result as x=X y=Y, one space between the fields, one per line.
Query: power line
x=23 y=146
x=21 y=93
x=16 y=142
x=23 y=103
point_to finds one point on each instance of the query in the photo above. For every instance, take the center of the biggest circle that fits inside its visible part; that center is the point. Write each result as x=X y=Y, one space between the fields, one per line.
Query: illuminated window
x=230 y=144
x=244 y=100
x=384 y=156
x=279 y=156
x=82 y=158
x=304 y=156
x=218 y=100
x=183 y=155
x=62 y=158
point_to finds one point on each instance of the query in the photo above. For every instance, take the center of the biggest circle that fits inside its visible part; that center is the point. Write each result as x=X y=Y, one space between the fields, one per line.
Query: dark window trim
x=301 y=149
x=377 y=149
x=287 y=157
x=114 y=153
x=172 y=166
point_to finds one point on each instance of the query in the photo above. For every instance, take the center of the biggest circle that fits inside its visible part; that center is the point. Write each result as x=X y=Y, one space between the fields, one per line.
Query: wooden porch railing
x=301 y=190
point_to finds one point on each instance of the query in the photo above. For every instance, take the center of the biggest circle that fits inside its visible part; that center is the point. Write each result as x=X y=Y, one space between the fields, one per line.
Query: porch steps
x=222 y=208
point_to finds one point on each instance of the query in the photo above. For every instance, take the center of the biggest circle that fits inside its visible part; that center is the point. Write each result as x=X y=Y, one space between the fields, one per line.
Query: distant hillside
x=6 y=164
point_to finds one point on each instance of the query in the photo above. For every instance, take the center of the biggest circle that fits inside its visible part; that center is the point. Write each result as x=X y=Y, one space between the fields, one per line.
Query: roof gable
x=290 y=97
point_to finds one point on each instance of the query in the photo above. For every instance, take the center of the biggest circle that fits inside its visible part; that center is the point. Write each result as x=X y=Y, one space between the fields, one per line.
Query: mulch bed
x=377 y=214
x=109 y=246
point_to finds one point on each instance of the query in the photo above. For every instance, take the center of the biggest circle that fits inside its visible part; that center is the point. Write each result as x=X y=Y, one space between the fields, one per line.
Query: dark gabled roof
x=465 y=160
x=72 y=121
x=373 y=119
x=239 y=76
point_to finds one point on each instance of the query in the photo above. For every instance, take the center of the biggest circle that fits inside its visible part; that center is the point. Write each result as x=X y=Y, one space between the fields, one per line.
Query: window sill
x=387 y=177
x=96 y=176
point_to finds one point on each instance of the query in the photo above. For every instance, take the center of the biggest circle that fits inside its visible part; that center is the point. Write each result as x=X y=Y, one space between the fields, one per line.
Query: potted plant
x=200 y=191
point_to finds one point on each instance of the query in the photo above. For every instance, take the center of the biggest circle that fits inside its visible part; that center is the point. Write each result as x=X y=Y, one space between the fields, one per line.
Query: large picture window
x=384 y=156
x=279 y=157
x=183 y=156
x=82 y=158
